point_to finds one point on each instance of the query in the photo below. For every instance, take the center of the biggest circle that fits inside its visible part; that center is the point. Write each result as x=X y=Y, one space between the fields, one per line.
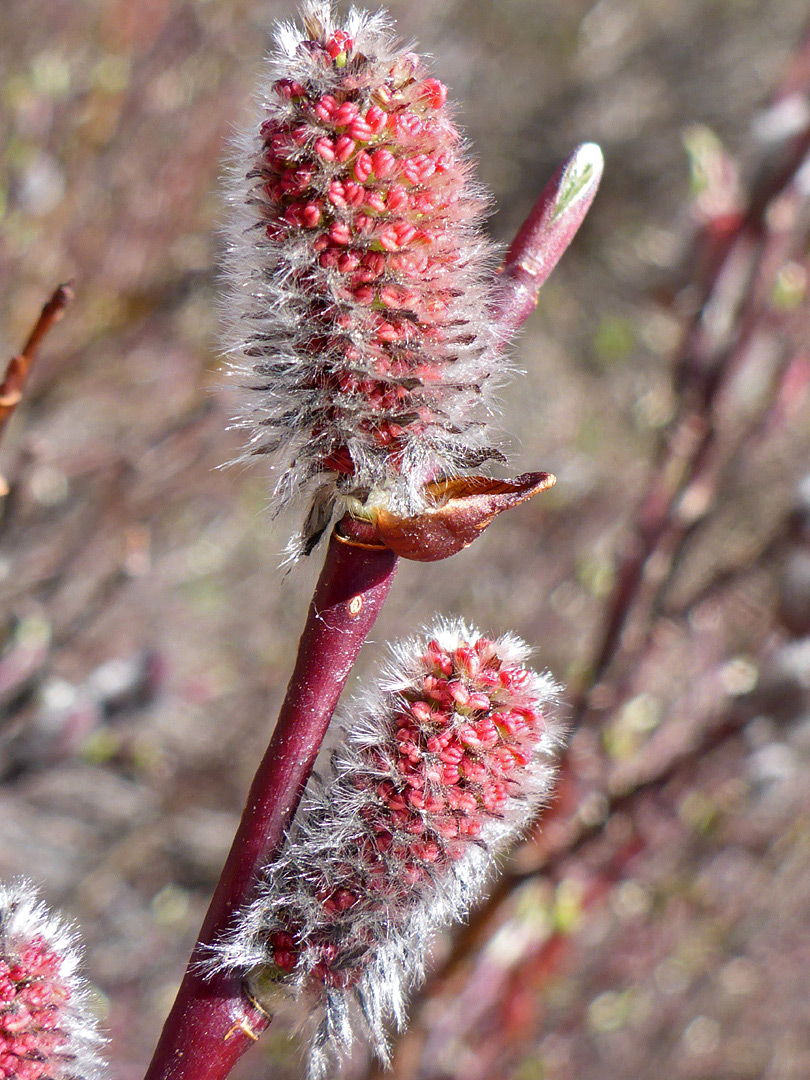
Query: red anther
x=280 y=141
x=522 y=755
x=410 y=751
x=469 y=826
x=479 y=701
x=387 y=332
x=409 y=170
x=502 y=758
x=359 y=129
x=434 y=93
x=344 y=148
x=344 y=114
x=422 y=711
x=288 y=88
x=487 y=734
x=287 y=182
x=18 y=1020
x=494 y=795
x=311 y=215
x=340 y=233
x=471 y=769
x=374 y=262
x=505 y=721
x=436 y=743
x=444 y=161
x=446 y=827
x=374 y=201
x=465 y=656
x=292 y=215
x=451 y=755
x=425 y=202
x=411 y=874
x=404 y=233
x=519 y=723
x=339 y=44
x=406 y=124
x=325 y=107
x=336 y=193
x=325 y=148
x=355 y=195
x=391 y=296
x=382 y=162
x=437 y=655
x=376 y=118
x=462 y=800
x=347 y=262
x=460 y=694
x=468 y=736
x=387 y=238
x=426 y=850
x=514 y=678
x=343 y=899
x=424 y=164
x=362 y=167
x=383 y=840
x=488 y=677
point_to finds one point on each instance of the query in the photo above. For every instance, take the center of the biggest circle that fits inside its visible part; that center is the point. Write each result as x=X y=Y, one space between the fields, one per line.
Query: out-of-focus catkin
x=46 y=1029
x=437 y=769
x=359 y=279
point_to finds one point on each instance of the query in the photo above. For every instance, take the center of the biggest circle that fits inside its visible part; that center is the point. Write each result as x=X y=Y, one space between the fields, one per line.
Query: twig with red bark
x=13 y=384
x=14 y=380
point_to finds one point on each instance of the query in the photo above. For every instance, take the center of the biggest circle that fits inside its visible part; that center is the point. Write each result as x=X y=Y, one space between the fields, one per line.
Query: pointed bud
x=46 y=1029
x=360 y=278
x=457 y=513
x=438 y=769
x=546 y=233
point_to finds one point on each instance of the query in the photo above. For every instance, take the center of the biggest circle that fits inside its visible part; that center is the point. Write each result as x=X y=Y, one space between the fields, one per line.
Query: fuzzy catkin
x=359 y=277
x=437 y=770
x=46 y=1029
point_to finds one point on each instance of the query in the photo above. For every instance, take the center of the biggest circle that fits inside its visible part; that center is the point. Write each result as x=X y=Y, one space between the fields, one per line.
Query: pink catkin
x=46 y=1032
x=360 y=280
x=437 y=772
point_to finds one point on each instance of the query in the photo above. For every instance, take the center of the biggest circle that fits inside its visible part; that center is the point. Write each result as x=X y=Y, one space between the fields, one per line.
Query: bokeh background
x=146 y=631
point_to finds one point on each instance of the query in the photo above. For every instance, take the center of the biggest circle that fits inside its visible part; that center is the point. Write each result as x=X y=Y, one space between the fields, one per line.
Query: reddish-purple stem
x=212 y=1023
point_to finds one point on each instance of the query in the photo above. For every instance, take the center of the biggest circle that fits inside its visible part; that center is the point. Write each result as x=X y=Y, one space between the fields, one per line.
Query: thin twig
x=11 y=389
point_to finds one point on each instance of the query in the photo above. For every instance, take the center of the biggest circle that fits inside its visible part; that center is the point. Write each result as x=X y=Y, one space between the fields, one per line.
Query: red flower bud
x=355 y=154
x=403 y=835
